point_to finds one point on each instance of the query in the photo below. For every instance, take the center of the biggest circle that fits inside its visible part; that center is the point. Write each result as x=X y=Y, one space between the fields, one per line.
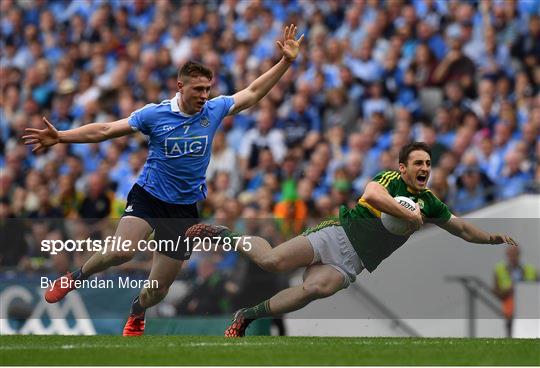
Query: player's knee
x=274 y=263
x=316 y=290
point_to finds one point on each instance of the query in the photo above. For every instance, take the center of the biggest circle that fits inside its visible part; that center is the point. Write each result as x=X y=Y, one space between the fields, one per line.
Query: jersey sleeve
x=140 y=119
x=222 y=106
x=389 y=180
x=438 y=210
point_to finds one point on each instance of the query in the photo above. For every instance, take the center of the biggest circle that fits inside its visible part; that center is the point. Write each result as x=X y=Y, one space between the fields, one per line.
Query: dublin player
x=180 y=132
x=335 y=251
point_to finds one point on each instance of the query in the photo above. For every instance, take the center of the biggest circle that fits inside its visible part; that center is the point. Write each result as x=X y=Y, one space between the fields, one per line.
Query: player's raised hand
x=290 y=46
x=502 y=239
x=42 y=138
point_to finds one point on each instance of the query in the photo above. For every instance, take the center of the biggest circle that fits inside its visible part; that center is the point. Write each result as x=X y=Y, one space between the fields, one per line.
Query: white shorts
x=332 y=247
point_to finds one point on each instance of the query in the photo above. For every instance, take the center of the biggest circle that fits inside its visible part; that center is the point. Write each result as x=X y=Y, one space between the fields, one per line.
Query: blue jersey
x=179 y=147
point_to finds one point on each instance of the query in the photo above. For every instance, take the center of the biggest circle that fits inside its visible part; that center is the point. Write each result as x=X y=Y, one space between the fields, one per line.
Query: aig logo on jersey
x=186 y=146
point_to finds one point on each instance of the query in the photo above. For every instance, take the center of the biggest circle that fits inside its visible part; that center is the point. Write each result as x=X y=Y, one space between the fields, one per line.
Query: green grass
x=198 y=350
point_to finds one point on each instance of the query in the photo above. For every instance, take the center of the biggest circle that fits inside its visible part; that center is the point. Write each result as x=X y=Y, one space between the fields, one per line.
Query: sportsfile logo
x=186 y=146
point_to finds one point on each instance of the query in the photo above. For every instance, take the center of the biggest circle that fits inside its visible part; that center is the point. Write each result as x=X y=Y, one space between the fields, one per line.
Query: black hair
x=406 y=150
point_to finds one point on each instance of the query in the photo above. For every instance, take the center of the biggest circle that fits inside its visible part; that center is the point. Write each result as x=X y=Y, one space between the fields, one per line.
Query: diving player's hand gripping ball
x=396 y=225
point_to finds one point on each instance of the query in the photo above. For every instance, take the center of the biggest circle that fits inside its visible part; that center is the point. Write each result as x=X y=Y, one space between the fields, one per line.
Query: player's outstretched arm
x=468 y=232
x=377 y=196
x=90 y=133
x=262 y=85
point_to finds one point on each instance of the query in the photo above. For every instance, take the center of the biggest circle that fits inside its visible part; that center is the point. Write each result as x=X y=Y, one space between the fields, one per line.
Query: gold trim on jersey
x=387 y=177
x=362 y=202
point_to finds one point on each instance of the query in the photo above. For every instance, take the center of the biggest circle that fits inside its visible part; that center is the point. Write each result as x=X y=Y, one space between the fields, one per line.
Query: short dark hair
x=406 y=150
x=194 y=69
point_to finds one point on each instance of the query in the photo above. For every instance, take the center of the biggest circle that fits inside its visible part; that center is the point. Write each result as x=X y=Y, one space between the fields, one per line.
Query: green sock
x=259 y=311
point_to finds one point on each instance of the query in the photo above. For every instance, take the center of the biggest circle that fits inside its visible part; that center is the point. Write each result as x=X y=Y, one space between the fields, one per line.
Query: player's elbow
x=368 y=197
x=371 y=193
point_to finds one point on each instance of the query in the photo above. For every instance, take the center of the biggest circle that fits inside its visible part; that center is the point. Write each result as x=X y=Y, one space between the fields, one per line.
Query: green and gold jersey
x=363 y=226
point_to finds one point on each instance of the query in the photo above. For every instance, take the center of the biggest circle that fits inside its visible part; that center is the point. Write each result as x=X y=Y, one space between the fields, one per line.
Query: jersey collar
x=175 y=105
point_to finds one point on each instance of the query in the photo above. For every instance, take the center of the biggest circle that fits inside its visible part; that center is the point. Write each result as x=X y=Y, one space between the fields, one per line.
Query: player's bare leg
x=294 y=253
x=259 y=248
x=320 y=281
x=163 y=273
x=290 y=255
x=129 y=228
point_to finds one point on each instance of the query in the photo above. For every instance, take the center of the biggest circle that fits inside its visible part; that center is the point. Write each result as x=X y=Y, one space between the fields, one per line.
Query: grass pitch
x=204 y=350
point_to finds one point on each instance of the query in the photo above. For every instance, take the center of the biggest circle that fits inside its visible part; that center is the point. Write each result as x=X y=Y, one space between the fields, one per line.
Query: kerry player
x=335 y=251
x=180 y=132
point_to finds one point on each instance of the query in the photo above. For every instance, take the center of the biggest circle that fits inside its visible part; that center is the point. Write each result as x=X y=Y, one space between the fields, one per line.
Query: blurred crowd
x=462 y=76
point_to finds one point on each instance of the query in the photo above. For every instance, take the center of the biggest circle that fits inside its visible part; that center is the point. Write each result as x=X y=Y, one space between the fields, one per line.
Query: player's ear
x=402 y=167
x=180 y=85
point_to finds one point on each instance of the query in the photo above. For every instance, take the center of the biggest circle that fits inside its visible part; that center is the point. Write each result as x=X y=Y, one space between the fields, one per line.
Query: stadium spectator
x=291 y=211
x=96 y=204
x=526 y=47
x=506 y=275
x=362 y=63
x=299 y=121
x=263 y=136
x=470 y=193
x=376 y=102
x=423 y=66
x=224 y=160
x=503 y=143
x=45 y=209
x=440 y=185
x=305 y=193
x=128 y=177
x=428 y=134
x=485 y=107
x=266 y=165
x=340 y=110
x=210 y=293
x=514 y=179
x=14 y=246
x=353 y=172
x=456 y=66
